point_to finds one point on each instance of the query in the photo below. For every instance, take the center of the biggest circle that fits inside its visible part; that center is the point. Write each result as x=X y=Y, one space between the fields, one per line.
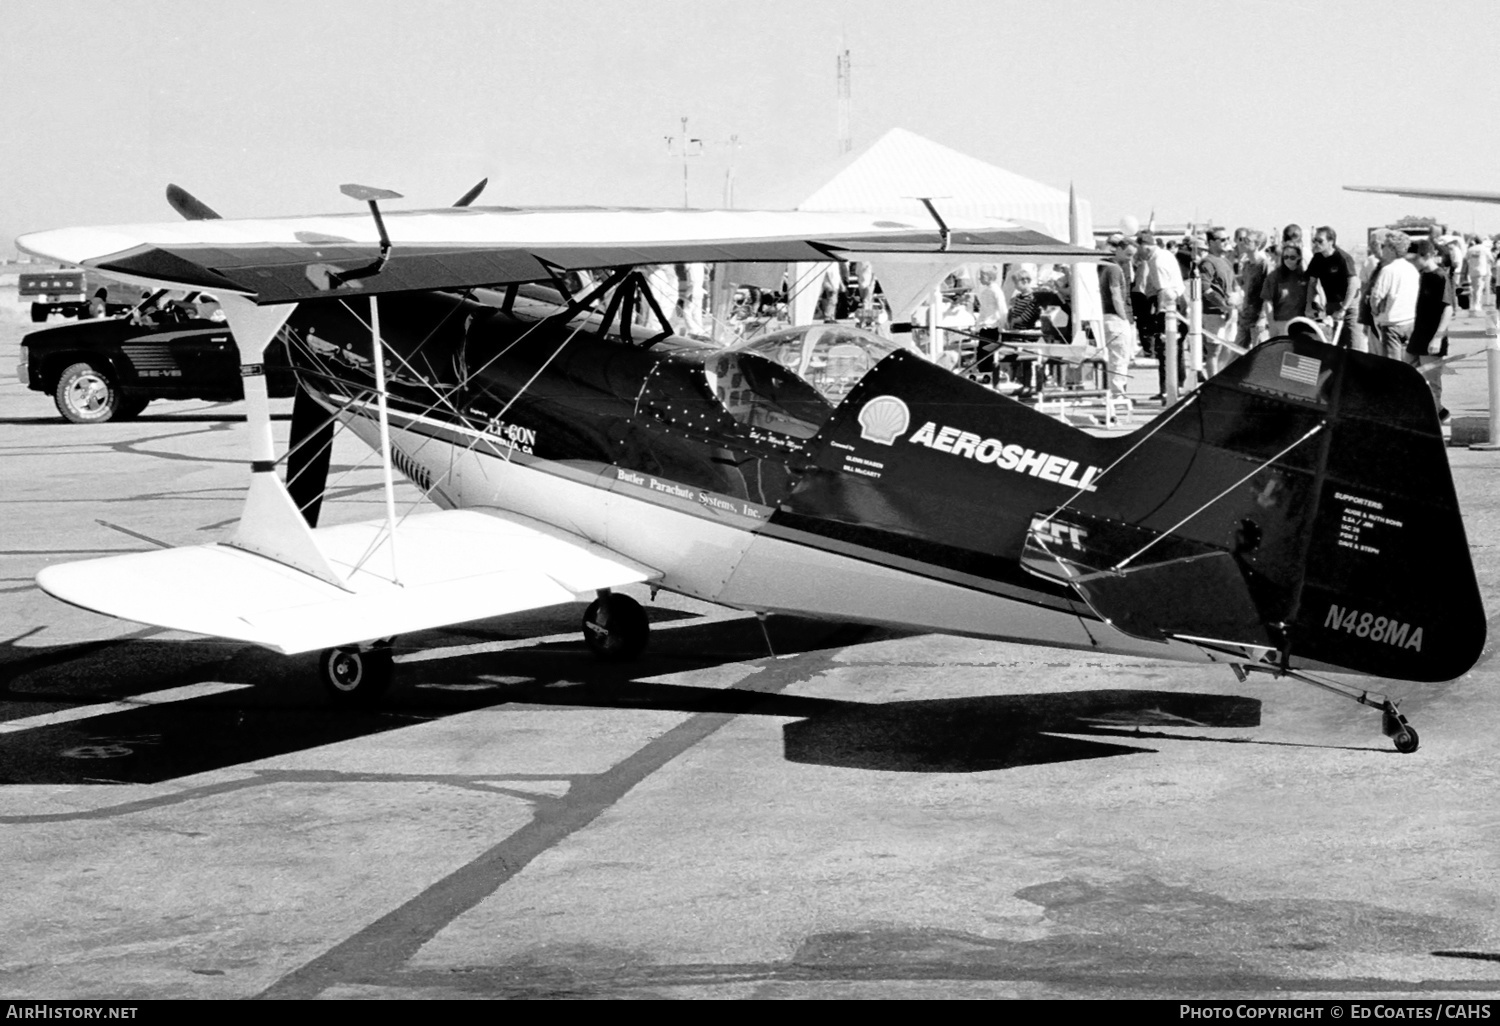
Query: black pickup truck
x=110 y=368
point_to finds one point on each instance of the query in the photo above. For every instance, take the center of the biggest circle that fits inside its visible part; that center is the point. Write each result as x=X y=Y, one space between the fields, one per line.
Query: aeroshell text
x=1013 y=456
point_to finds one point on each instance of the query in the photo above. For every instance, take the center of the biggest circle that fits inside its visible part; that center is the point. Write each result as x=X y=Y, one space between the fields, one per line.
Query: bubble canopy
x=832 y=358
x=790 y=381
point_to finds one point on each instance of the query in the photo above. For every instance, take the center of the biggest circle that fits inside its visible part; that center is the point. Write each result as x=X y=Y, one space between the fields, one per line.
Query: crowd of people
x=1398 y=302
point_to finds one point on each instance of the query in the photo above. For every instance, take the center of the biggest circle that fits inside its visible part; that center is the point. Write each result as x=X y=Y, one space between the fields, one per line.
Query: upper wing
x=288 y=259
x=453 y=566
x=1441 y=194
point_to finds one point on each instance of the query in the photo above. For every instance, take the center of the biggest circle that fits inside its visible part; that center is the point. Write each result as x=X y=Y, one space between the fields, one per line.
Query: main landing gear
x=357 y=675
x=615 y=627
x=1392 y=723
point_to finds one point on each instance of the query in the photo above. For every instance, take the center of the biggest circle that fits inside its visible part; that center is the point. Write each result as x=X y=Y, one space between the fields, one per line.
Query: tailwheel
x=1392 y=723
x=1402 y=734
x=357 y=675
x=615 y=627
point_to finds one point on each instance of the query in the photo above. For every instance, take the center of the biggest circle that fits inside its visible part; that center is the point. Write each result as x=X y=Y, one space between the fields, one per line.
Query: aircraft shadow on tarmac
x=285 y=712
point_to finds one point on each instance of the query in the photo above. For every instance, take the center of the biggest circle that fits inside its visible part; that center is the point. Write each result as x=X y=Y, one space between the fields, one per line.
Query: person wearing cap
x=1119 y=334
x=1478 y=263
x=1291 y=235
x=1217 y=278
x=1436 y=300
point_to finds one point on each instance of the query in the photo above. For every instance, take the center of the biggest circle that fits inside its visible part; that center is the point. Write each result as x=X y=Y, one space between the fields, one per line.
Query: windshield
x=832 y=358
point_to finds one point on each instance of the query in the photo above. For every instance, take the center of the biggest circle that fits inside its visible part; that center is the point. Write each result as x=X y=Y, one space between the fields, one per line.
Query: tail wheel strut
x=1393 y=723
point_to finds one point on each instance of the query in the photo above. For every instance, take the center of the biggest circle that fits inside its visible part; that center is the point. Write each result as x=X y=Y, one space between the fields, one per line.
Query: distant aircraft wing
x=1439 y=194
x=284 y=260
x=454 y=566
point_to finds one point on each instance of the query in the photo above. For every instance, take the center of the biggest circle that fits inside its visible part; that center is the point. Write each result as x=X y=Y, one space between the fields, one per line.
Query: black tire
x=39 y=312
x=355 y=677
x=86 y=395
x=615 y=627
x=1407 y=741
x=131 y=407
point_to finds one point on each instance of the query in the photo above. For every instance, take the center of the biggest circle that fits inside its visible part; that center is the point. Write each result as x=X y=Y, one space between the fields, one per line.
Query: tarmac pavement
x=863 y=814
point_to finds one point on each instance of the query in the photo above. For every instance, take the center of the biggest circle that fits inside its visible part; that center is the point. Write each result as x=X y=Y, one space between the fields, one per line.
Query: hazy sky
x=1255 y=111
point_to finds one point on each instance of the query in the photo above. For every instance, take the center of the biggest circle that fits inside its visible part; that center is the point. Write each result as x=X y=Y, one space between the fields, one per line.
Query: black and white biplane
x=1292 y=516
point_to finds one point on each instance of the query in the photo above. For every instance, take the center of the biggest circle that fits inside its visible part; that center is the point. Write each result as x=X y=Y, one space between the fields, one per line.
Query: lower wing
x=452 y=566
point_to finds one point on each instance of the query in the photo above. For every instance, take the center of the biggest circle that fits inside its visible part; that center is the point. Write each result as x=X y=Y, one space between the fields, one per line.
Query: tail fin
x=1301 y=501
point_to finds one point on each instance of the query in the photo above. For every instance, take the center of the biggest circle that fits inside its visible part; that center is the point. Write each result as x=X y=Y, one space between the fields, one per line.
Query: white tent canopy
x=901 y=166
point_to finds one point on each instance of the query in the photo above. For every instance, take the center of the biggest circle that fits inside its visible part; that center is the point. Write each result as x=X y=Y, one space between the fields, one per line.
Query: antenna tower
x=846 y=141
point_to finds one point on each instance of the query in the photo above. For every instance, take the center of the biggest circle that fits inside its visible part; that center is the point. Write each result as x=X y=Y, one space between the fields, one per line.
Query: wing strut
x=270 y=524
x=378 y=352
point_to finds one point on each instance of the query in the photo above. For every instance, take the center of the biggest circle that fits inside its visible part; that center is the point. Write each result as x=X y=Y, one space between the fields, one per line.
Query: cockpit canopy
x=830 y=357
x=776 y=391
x=789 y=382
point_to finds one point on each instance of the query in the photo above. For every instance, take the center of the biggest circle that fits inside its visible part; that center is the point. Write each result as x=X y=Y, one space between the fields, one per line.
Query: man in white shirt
x=992 y=308
x=1479 y=264
x=1393 y=297
x=1161 y=282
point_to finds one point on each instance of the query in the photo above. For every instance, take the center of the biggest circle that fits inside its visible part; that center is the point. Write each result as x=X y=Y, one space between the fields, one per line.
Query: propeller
x=190 y=206
x=472 y=194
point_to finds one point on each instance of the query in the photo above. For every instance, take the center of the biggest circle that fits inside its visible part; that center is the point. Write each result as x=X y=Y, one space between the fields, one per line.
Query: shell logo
x=884 y=419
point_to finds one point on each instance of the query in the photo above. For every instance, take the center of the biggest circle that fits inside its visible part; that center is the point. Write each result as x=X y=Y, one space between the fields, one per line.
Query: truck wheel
x=39 y=312
x=86 y=395
x=131 y=407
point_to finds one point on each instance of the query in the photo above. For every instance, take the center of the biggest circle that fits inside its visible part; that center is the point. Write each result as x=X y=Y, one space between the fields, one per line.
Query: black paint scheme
x=1297 y=509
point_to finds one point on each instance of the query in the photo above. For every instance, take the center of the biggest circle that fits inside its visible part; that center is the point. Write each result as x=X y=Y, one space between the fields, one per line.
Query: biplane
x=1293 y=516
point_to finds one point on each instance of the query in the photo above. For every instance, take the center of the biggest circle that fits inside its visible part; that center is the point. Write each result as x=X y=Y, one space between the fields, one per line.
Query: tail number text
x=1376 y=628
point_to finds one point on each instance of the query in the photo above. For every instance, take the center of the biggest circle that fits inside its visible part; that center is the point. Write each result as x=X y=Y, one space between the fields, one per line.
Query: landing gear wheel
x=354 y=676
x=615 y=627
x=86 y=395
x=1402 y=734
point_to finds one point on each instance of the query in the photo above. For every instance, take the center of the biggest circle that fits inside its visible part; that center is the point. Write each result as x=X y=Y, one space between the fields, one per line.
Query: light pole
x=688 y=148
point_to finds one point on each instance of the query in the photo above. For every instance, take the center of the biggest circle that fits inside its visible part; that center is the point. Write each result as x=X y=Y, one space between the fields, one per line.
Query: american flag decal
x=1300 y=368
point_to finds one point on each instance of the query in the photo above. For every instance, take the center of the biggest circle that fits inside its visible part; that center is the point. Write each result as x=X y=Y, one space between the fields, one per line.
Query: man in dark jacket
x=1435 y=303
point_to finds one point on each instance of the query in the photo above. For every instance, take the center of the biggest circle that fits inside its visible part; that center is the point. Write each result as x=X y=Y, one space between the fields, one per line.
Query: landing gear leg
x=357 y=676
x=1392 y=723
x=615 y=627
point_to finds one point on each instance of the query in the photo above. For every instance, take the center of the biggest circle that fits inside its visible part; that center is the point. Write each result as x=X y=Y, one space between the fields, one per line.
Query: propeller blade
x=190 y=206
x=472 y=194
x=309 y=451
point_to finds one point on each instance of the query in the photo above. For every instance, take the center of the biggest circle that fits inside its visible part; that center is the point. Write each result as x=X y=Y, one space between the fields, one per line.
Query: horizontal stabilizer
x=455 y=566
